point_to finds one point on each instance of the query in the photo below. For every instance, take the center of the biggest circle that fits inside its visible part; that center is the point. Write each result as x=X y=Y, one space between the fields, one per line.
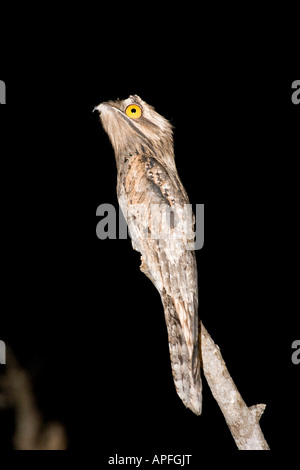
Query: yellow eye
x=133 y=111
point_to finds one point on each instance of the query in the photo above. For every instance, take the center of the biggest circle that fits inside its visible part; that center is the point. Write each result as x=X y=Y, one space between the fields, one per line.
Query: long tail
x=182 y=326
x=185 y=366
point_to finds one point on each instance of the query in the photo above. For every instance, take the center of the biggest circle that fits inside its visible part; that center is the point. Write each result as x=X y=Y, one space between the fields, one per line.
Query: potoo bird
x=154 y=201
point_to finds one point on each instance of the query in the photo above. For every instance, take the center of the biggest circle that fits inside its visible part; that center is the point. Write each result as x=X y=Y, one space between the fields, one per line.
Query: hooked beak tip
x=97 y=108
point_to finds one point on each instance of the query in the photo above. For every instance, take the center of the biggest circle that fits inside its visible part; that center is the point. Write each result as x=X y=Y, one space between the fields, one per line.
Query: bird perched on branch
x=154 y=203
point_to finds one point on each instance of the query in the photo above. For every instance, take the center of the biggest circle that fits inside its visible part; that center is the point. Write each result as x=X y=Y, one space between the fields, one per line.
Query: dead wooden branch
x=31 y=433
x=242 y=421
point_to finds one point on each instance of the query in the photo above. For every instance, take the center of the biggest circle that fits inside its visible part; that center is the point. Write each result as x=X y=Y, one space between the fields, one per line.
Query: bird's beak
x=99 y=108
x=106 y=106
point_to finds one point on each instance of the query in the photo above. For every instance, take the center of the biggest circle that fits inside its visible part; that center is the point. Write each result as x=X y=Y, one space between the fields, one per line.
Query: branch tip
x=258 y=410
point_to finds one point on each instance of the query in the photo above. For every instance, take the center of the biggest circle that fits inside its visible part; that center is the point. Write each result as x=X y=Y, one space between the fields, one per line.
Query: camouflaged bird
x=153 y=201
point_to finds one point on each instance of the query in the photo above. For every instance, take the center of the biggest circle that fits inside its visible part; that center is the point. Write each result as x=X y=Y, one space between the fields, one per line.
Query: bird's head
x=134 y=127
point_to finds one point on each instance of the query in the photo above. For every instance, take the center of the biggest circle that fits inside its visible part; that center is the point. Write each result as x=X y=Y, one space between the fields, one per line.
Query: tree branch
x=31 y=432
x=242 y=421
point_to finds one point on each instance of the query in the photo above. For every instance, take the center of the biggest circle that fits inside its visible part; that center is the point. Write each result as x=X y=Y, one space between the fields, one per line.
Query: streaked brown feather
x=148 y=182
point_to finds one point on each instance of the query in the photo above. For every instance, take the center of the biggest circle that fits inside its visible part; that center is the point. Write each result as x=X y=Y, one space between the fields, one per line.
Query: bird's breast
x=134 y=182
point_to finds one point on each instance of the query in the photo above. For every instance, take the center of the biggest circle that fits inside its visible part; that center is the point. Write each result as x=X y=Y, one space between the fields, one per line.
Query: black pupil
x=133 y=110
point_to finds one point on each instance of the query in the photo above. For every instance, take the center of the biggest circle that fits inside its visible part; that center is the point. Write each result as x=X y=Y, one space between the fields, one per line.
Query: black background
x=79 y=314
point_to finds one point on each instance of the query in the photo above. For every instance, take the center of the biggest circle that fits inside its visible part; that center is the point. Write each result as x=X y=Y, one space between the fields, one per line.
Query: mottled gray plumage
x=149 y=185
